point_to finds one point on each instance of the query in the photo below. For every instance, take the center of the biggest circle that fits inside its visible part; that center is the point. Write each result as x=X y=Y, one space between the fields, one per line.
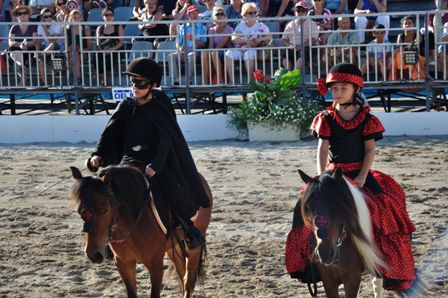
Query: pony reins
x=49 y=187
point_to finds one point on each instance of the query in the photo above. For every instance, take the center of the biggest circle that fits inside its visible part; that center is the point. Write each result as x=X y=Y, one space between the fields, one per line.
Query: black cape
x=153 y=131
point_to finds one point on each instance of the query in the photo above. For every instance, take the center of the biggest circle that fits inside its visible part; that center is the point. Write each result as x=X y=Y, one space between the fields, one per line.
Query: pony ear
x=305 y=178
x=76 y=173
x=337 y=174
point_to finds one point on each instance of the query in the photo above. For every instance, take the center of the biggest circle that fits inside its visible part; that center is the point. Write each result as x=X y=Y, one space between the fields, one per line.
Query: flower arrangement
x=275 y=102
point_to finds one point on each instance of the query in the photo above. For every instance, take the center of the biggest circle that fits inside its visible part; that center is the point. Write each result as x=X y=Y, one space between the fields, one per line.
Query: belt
x=138 y=148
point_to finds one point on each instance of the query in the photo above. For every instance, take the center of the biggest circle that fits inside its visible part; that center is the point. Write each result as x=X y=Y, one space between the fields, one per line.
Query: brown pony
x=116 y=211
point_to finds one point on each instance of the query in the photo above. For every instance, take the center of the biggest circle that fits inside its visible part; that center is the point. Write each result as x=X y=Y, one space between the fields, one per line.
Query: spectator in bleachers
x=62 y=11
x=292 y=37
x=72 y=5
x=83 y=40
x=379 y=55
x=278 y=8
x=411 y=34
x=180 y=13
x=324 y=23
x=51 y=39
x=364 y=21
x=410 y=37
x=195 y=39
x=38 y=5
x=11 y=5
x=207 y=14
x=155 y=33
x=337 y=54
x=260 y=4
x=215 y=58
x=248 y=35
x=2 y=12
x=433 y=19
x=336 y=6
x=22 y=37
x=109 y=41
x=234 y=12
x=443 y=52
x=351 y=5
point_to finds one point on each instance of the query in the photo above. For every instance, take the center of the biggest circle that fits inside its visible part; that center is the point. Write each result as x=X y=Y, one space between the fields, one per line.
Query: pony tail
x=363 y=239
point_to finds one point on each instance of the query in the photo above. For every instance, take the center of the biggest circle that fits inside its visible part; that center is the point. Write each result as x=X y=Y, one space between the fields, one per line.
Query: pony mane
x=130 y=190
x=371 y=256
x=81 y=192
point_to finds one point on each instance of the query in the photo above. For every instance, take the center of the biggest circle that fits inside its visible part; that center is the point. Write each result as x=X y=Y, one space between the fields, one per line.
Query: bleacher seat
x=123 y=13
x=95 y=15
x=164 y=49
x=140 y=49
x=3 y=44
x=131 y=31
x=274 y=28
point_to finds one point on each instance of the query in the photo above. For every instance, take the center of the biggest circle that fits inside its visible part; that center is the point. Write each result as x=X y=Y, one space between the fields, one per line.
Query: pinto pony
x=116 y=211
x=338 y=216
x=340 y=220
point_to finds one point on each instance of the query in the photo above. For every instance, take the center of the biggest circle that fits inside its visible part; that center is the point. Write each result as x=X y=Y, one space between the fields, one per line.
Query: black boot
x=193 y=237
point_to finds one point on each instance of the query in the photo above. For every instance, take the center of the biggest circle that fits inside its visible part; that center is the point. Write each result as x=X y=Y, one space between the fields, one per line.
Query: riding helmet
x=345 y=73
x=147 y=68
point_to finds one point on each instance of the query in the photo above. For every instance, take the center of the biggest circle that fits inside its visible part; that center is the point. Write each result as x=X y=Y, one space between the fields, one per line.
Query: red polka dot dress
x=386 y=200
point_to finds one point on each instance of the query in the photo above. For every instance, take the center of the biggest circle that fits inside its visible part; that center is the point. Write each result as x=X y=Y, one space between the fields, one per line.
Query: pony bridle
x=322 y=223
x=88 y=215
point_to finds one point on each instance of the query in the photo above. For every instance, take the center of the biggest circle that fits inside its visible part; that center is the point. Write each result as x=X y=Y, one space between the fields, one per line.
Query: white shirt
x=55 y=29
x=293 y=35
x=41 y=3
x=377 y=50
x=253 y=32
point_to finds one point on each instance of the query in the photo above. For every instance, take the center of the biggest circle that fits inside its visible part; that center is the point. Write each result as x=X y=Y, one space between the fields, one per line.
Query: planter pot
x=267 y=132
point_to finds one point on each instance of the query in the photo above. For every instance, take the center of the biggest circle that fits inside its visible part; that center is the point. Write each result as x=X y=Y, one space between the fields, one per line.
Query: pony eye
x=103 y=211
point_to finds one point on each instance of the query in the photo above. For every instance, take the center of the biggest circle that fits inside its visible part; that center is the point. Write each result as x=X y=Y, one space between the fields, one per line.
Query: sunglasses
x=22 y=13
x=140 y=84
x=301 y=10
x=108 y=15
x=48 y=16
x=251 y=13
x=219 y=14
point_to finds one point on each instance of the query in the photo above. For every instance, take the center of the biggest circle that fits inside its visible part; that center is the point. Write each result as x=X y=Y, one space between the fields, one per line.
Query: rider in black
x=143 y=132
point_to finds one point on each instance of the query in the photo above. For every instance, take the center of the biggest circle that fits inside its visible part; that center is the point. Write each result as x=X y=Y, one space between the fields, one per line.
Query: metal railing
x=97 y=69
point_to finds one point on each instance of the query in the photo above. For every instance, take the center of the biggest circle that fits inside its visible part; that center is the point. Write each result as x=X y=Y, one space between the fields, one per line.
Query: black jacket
x=149 y=134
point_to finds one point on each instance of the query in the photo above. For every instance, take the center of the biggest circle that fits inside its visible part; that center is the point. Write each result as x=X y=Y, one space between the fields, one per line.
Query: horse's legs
x=378 y=290
x=156 y=275
x=127 y=272
x=191 y=273
x=330 y=281
x=351 y=287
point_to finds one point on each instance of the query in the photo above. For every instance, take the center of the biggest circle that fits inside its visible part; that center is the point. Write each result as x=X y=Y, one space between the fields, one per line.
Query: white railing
x=100 y=70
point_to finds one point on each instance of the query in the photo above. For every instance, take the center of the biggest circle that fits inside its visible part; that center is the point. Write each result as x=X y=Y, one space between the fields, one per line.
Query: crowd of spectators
x=232 y=32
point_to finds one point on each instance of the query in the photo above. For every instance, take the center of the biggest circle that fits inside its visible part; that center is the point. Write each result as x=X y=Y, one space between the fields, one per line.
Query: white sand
x=255 y=187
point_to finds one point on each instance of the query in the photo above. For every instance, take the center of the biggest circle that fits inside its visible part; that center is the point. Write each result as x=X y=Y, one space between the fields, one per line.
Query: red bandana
x=338 y=77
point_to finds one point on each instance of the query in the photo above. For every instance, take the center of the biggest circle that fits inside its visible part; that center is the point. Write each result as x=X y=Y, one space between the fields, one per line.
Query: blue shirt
x=333 y=5
x=199 y=33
